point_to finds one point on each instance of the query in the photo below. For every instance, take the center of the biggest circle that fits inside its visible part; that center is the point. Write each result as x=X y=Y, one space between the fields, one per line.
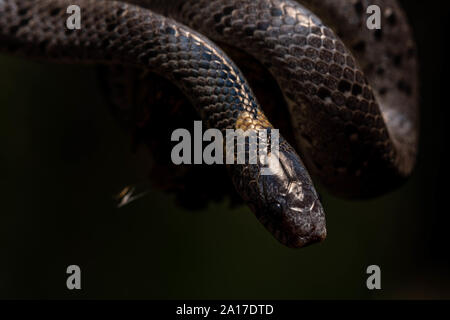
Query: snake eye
x=276 y=208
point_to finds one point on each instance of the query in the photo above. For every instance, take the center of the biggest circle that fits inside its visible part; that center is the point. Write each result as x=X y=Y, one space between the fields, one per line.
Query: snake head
x=283 y=199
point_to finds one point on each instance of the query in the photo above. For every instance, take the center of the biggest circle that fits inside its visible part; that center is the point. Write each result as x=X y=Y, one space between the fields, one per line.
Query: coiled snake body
x=352 y=98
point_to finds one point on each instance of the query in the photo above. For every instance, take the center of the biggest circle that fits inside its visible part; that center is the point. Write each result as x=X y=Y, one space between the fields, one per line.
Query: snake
x=351 y=91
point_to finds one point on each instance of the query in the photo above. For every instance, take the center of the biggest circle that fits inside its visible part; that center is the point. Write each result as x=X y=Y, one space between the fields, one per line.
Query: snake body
x=354 y=111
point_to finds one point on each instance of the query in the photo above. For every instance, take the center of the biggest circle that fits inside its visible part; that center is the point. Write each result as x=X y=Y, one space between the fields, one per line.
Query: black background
x=63 y=156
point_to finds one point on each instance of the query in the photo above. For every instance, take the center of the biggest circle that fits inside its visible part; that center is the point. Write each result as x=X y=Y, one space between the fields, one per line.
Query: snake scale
x=351 y=92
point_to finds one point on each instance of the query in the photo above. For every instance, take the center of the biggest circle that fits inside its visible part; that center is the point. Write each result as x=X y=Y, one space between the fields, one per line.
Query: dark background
x=63 y=156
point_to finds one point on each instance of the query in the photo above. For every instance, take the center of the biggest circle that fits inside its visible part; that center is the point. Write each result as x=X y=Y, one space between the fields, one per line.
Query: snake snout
x=308 y=225
x=303 y=217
